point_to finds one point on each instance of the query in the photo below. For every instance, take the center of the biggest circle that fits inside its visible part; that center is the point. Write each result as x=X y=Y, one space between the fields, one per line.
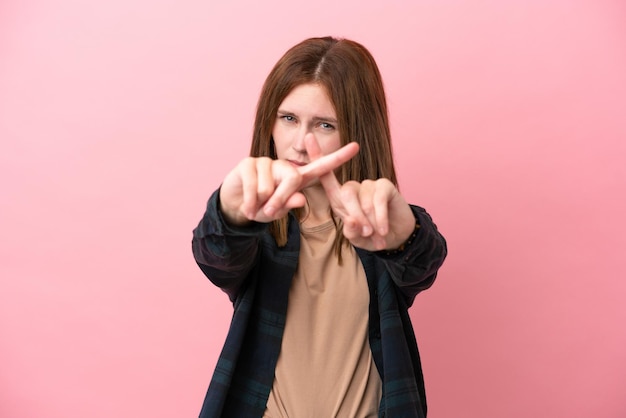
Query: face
x=307 y=109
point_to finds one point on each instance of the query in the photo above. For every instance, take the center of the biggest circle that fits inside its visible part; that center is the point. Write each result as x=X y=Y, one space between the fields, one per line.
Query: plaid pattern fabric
x=256 y=275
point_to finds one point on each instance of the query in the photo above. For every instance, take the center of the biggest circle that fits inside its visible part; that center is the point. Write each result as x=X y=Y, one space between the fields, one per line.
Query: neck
x=317 y=210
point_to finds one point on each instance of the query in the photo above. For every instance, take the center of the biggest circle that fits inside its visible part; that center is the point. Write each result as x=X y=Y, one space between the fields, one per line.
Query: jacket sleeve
x=414 y=268
x=226 y=254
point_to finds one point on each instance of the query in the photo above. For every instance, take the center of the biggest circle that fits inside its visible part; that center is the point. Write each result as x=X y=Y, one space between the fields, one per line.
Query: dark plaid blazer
x=256 y=274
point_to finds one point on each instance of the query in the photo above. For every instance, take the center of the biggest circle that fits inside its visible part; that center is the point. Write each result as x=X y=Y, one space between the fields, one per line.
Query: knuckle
x=346 y=192
x=248 y=161
x=265 y=190
x=250 y=185
x=367 y=206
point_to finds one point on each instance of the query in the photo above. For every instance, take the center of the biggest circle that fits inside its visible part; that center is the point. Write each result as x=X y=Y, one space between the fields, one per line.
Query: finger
x=383 y=193
x=265 y=180
x=296 y=200
x=353 y=207
x=327 y=176
x=312 y=147
x=288 y=182
x=322 y=164
x=367 y=193
x=374 y=197
x=351 y=229
x=248 y=177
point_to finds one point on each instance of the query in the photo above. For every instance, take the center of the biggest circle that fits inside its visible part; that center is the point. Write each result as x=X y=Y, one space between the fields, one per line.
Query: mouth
x=296 y=163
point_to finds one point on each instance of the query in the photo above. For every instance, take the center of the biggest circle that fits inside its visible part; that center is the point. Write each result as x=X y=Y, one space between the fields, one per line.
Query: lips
x=297 y=163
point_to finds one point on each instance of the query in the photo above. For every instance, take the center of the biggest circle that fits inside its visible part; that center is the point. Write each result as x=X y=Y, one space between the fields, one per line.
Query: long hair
x=353 y=82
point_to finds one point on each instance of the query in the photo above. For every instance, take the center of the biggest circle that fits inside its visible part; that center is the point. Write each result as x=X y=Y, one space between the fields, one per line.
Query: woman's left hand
x=375 y=215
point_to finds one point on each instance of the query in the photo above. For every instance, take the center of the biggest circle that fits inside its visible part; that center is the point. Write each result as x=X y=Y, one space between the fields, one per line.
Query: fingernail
x=269 y=210
x=367 y=230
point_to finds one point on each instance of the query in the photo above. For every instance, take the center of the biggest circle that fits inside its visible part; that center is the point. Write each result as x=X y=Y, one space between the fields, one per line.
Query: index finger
x=329 y=162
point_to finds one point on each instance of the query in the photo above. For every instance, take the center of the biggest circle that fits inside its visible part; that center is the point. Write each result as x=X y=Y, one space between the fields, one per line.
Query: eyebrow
x=315 y=118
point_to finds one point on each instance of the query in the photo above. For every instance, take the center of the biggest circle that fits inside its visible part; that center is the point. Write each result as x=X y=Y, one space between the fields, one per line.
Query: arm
x=225 y=253
x=414 y=267
x=257 y=191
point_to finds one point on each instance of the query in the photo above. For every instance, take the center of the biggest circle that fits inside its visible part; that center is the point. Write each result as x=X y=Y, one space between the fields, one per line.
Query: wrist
x=405 y=243
x=232 y=217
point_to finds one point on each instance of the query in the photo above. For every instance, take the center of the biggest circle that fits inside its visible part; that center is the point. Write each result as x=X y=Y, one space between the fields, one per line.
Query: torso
x=325 y=367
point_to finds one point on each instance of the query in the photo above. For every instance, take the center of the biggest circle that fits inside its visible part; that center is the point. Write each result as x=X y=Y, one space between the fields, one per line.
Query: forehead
x=308 y=98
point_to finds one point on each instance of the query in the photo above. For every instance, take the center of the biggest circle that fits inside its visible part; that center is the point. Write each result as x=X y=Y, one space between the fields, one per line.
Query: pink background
x=118 y=118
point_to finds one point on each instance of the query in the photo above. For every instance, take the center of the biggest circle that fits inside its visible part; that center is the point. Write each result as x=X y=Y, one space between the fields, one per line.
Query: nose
x=298 y=142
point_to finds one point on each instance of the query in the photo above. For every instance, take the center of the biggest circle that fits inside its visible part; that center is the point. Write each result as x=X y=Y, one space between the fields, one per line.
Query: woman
x=318 y=251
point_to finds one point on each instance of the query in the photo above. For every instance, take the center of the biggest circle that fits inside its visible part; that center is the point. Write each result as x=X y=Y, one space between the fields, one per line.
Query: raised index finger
x=327 y=163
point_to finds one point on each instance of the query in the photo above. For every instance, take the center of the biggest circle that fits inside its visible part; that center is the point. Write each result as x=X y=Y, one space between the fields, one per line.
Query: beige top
x=325 y=367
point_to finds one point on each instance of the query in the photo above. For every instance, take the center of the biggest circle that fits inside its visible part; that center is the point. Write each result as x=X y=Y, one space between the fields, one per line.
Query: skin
x=308 y=147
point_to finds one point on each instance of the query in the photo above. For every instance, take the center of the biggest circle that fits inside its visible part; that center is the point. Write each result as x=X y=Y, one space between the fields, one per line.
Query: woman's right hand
x=262 y=189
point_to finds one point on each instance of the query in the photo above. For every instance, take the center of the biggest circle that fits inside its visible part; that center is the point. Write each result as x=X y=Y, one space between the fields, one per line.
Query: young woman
x=318 y=251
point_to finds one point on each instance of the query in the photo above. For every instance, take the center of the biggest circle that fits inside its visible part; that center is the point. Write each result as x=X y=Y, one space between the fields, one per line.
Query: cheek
x=331 y=145
x=278 y=139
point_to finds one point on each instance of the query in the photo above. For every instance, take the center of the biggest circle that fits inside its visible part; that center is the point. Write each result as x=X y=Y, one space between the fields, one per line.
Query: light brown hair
x=352 y=80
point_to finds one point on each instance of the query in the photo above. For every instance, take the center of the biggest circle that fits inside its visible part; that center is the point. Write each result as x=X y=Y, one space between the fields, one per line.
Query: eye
x=327 y=126
x=288 y=118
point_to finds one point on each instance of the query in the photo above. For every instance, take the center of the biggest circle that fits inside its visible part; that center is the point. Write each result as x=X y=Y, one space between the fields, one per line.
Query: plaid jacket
x=256 y=274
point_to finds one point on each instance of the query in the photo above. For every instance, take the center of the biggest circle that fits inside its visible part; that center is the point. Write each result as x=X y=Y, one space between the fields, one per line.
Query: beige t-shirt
x=325 y=367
